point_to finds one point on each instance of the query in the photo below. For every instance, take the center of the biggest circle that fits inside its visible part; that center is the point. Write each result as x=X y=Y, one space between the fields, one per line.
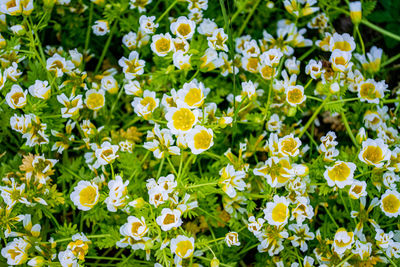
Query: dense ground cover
x=199 y=133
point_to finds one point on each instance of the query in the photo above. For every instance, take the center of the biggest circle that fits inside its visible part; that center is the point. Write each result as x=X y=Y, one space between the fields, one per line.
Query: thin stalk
x=166 y=11
x=350 y=133
x=390 y=60
x=330 y=216
x=89 y=27
x=248 y=17
x=105 y=49
x=311 y=120
x=160 y=167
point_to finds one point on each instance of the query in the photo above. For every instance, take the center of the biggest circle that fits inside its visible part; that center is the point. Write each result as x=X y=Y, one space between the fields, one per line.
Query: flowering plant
x=198 y=133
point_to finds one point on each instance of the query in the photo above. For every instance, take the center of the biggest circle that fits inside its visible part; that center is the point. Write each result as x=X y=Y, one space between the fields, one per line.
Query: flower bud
x=355 y=12
x=334 y=88
x=214 y=262
x=361 y=135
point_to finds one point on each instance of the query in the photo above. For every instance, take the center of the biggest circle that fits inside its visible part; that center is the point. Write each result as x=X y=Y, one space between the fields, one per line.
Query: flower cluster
x=198 y=133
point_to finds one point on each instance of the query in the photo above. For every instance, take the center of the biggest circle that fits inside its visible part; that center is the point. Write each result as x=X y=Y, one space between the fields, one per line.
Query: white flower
x=67 y=259
x=390 y=203
x=85 y=195
x=232 y=239
x=147 y=24
x=199 y=139
x=40 y=89
x=181 y=119
x=343 y=42
x=277 y=212
x=340 y=174
x=161 y=44
x=314 y=69
x=58 y=65
x=109 y=84
x=16 y=251
x=343 y=241
x=271 y=57
x=72 y=105
x=358 y=189
x=218 y=40
x=183 y=27
x=133 y=88
x=231 y=180
x=182 y=246
x=144 y=106
x=105 y=154
x=117 y=195
x=181 y=60
x=100 y=27
x=169 y=219
x=207 y=27
x=375 y=153
x=135 y=228
x=132 y=66
x=16 y=98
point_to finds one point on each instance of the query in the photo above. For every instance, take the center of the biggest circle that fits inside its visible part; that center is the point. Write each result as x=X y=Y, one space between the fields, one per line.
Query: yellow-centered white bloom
x=79 y=245
x=199 y=139
x=358 y=189
x=192 y=94
x=40 y=89
x=231 y=180
x=300 y=8
x=277 y=212
x=232 y=239
x=16 y=252
x=118 y=194
x=375 y=153
x=271 y=57
x=109 y=84
x=16 y=98
x=182 y=246
x=132 y=66
x=390 y=203
x=183 y=27
x=181 y=60
x=58 y=65
x=289 y=145
x=207 y=27
x=340 y=174
x=218 y=40
x=295 y=95
x=147 y=24
x=100 y=27
x=67 y=258
x=181 y=119
x=105 y=154
x=343 y=241
x=85 y=195
x=169 y=219
x=72 y=105
x=95 y=100
x=139 y=4
x=135 y=228
x=340 y=60
x=161 y=44
x=343 y=42
x=372 y=62
x=314 y=69
x=133 y=88
x=144 y=106
x=276 y=170
x=371 y=91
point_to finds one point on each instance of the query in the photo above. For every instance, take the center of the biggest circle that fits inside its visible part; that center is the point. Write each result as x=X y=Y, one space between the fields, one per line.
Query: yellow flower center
x=252 y=64
x=339 y=172
x=183 y=119
x=17 y=97
x=373 y=154
x=95 y=101
x=163 y=45
x=340 y=61
x=295 y=96
x=135 y=227
x=184 y=29
x=170 y=218
x=368 y=91
x=267 y=72
x=343 y=45
x=87 y=196
x=149 y=102
x=194 y=97
x=183 y=247
x=202 y=140
x=289 y=146
x=391 y=204
x=279 y=213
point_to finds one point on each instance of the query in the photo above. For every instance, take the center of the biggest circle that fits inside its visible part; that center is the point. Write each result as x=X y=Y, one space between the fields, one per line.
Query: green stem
x=200 y=185
x=349 y=132
x=330 y=216
x=390 y=101
x=381 y=30
x=171 y=165
x=248 y=17
x=390 y=60
x=346 y=259
x=166 y=11
x=105 y=49
x=306 y=54
x=361 y=40
x=89 y=27
x=160 y=167
x=311 y=120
